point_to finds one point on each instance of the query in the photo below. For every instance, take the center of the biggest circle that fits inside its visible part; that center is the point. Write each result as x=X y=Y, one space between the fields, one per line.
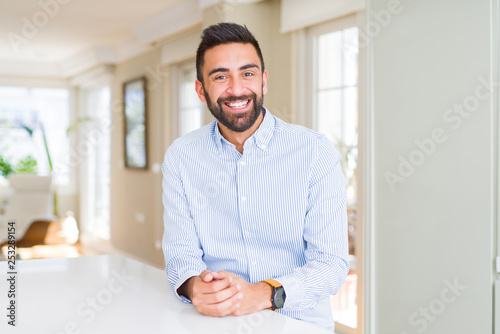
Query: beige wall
x=136 y=192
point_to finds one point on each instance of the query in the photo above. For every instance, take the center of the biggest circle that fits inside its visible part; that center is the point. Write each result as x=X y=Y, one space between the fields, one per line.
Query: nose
x=236 y=86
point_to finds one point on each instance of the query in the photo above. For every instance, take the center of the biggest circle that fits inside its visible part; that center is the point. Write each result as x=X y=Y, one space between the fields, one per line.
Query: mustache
x=222 y=100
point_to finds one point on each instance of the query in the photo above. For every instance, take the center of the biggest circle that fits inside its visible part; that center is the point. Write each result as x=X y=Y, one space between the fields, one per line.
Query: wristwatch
x=278 y=295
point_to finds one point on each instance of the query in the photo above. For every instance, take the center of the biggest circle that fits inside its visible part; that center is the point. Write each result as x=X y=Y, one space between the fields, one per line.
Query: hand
x=256 y=296
x=214 y=294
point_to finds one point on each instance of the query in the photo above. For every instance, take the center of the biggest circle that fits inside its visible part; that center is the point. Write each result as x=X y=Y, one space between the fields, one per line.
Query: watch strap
x=272 y=283
x=275 y=285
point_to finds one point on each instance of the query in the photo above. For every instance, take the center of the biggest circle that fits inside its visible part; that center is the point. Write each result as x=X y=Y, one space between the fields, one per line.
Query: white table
x=114 y=294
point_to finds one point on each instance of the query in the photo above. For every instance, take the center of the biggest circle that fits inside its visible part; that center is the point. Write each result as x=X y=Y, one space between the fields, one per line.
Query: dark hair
x=223 y=33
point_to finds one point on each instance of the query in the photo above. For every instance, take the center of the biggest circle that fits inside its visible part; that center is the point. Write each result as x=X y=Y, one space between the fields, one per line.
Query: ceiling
x=60 y=38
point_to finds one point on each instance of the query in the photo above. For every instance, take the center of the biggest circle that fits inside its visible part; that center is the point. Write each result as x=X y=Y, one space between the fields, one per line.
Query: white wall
x=436 y=226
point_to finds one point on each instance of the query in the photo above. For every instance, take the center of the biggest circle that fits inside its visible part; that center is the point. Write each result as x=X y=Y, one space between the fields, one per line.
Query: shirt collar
x=262 y=136
x=265 y=131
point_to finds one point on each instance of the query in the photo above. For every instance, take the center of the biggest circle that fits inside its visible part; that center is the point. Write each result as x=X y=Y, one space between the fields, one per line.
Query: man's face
x=234 y=85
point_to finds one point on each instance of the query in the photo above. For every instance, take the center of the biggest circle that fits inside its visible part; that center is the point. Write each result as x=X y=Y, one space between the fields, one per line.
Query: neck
x=238 y=139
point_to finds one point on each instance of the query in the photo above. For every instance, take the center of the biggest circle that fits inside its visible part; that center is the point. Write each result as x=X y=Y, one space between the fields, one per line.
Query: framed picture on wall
x=135 y=123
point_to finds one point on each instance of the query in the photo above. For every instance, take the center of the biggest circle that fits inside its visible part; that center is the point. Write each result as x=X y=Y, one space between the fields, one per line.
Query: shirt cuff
x=293 y=290
x=187 y=275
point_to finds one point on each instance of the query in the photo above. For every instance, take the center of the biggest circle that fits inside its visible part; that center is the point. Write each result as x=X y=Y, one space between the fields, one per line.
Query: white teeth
x=237 y=105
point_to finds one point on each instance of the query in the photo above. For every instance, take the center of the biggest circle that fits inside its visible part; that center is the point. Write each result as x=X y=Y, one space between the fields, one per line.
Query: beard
x=237 y=122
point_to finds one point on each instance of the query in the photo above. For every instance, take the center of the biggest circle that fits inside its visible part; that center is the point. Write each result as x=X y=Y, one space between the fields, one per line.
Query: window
x=94 y=152
x=190 y=107
x=334 y=98
x=28 y=108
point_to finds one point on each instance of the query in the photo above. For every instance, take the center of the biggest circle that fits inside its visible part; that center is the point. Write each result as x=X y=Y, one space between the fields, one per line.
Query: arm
x=181 y=248
x=211 y=294
x=325 y=234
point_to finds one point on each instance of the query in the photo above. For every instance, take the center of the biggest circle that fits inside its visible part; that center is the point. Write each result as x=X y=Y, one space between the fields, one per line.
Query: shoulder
x=305 y=136
x=192 y=139
x=190 y=144
x=320 y=151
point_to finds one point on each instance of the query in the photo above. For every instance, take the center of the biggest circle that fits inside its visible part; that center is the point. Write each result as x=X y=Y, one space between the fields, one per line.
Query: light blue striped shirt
x=276 y=211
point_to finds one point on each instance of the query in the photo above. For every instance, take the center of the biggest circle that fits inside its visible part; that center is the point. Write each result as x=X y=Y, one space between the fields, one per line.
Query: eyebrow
x=224 y=69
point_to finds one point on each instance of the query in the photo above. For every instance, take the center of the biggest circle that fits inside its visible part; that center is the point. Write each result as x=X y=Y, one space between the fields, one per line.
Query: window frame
x=306 y=64
x=93 y=80
x=84 y=165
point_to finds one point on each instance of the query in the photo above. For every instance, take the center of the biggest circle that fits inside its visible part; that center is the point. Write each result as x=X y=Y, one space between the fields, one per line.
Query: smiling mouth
x=237 y=105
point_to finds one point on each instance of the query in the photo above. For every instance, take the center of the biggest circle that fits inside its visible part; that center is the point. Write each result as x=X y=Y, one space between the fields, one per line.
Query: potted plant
x=70 y=129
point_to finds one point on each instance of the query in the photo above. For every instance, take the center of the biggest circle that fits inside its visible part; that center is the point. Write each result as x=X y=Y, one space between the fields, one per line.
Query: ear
x=264 y=82
x=199 y=91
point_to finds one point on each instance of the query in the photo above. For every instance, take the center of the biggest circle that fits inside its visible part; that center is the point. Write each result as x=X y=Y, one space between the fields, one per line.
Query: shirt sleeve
x=325 y=234
x=181 y=246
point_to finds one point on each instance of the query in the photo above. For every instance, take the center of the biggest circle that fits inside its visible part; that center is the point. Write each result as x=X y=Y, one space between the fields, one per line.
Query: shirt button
x=254 y=263
x=243 y=198
x=242 y=163
x=247 y=234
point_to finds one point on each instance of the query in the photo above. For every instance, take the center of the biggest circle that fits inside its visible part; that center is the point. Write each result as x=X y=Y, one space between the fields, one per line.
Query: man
x=255 y=213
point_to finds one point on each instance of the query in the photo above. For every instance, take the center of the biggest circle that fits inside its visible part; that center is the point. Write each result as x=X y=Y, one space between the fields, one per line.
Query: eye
x=220 y=77
x=247 y=74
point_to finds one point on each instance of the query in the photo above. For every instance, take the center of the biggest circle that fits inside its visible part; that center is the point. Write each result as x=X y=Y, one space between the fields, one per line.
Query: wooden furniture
x=47 y=239
x=31 y=201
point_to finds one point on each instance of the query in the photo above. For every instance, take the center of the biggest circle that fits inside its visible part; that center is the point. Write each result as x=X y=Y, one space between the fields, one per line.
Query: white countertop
x=114 y=294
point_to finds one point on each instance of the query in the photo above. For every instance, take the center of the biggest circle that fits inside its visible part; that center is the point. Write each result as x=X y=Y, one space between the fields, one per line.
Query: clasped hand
x=218 y=294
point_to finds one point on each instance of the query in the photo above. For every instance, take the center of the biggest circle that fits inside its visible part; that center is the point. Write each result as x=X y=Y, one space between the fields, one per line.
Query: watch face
x=279 y=297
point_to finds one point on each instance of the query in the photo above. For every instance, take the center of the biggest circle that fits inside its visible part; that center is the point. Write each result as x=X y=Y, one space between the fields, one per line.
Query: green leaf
x=77 y=124
x=26 y=165
x=5 y=167
x=46 y=146
x=27 y=128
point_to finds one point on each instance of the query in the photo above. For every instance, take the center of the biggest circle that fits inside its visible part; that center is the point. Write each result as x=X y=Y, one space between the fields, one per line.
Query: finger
x=220 y=274
x=202 y=288
x=237 y=310
x=224 y=308
x=207 y=277
x=218 y=297
x=215 y=286
x=204 y=273
x=218 y=285
x=233 y=310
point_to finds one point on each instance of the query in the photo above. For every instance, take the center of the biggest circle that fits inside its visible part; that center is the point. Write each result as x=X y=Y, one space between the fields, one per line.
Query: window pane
x=189 y=98
x=330 y=114
x=350 y=124
x=191 y=119
x=190 y=106
x=35 y=108
x=350 y=53
x=329 y=60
